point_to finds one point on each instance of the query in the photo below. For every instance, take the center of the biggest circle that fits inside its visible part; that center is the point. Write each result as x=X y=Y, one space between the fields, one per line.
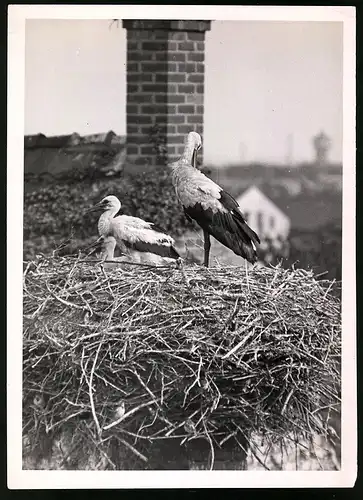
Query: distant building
x=264 y=217
x=322 y=144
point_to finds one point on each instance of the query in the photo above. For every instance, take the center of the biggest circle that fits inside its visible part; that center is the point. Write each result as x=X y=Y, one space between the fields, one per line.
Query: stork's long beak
x=95 y=208
x=194 y=158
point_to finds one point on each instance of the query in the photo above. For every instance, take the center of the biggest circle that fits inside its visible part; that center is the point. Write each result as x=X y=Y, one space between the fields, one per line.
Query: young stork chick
x=140 y=240
x=106 y=248
x=216 y=211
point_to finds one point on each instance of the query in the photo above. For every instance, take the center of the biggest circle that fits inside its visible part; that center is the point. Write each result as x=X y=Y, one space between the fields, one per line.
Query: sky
x=269 y=86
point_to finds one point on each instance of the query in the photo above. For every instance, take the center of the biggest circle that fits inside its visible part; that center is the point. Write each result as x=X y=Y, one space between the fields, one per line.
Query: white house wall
x=263 y=215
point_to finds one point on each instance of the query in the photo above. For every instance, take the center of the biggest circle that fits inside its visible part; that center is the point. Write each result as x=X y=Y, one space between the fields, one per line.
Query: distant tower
x=322 y=145
x=289 y=160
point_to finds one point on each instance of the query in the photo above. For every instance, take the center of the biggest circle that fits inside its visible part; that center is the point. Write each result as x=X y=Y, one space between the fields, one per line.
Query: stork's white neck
x=188 y=150
x=104 y=221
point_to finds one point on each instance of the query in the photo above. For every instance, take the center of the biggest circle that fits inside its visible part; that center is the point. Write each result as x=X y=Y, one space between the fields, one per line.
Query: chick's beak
x=95 y=208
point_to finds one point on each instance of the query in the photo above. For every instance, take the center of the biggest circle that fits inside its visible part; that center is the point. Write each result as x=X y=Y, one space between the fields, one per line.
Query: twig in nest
x=132 y=448
x=128 y=414
x=180 y=266
x=211 y=446
x=247 y=280
x=99 y=431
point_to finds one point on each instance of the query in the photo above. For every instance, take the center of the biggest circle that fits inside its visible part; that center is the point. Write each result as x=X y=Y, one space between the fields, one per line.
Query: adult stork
x=214 y=210
x=141 y=240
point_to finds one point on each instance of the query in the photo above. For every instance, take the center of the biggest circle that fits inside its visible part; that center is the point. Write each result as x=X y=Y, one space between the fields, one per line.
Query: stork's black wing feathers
x=190 y=219
x=232 y=206
x=157 y=249
x=157 y=229
x=228 y=227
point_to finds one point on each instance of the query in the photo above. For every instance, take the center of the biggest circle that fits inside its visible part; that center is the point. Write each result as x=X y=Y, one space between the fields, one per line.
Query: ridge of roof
x=35 y=141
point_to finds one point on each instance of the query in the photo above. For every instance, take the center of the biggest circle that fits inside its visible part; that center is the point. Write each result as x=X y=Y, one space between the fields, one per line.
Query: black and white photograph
x=182 y=256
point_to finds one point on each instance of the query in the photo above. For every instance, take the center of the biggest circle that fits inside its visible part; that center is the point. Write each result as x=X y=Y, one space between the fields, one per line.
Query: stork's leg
x=206 y=248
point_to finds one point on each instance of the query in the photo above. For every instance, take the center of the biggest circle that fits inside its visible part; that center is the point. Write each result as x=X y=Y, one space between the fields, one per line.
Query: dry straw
x=137 y=356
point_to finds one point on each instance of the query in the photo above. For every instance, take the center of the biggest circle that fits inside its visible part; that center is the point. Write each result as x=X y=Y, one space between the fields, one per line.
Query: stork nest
x=137 y=356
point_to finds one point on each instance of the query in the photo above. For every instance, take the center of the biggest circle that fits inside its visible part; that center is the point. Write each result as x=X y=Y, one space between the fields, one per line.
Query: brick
x=200 y=89
x=154 y=109
x=176 y=139
x=196 y=56
x=161 y=98
x=176 y=98
x=198 y=37
x=147 y=35
x=132 y=46
x=153 y=87
x=133 y=66
x=200 y=47
x=159 y=35
x=145 y=133
x=187 y=68
x=186 y=46
x=180 y=150
x=140 y=119
x=200 y=68
x=177 y=35
x=161 y=56
x=184 y=129
x=137 y=35
x=160 y=120
x=176 y=77
x=132 y=129
x=160 y=109
x=172 y=88
x=177 y=56
x=131 y=88
x=200 y=109
x=153 y=67
x=140 y=98
x=196 y=78
x=171 y=129
x=195 y=119
x=161 y=77
x=140 y=138
x=170 y=150
x=139 y=56
x=138 y=77
x=132 y=150
x=172 y=46
x=186 y=109
x=176 y=119
x=147 y=150
x=172 y=66
x=132 y=109
x=186 y=89
x=194 y=98
x=155 y=46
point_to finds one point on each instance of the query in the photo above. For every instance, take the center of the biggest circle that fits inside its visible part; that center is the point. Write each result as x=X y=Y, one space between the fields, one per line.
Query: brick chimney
x=165 y=87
